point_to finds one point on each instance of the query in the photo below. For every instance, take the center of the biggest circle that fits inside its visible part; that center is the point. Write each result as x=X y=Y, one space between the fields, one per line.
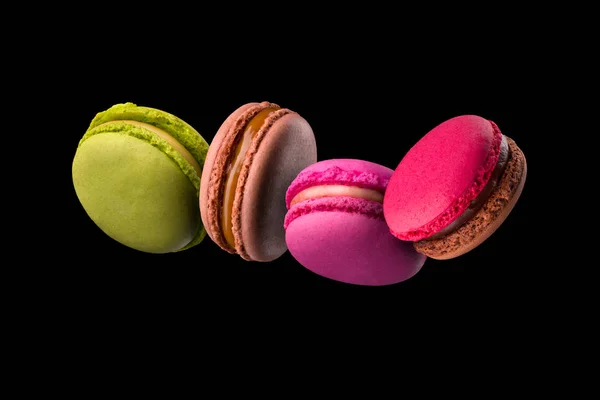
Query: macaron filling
x=315 y=192
x=335 y=176
x=344 y=198
x=165 y=136
x=483 y=196
x=233 y=169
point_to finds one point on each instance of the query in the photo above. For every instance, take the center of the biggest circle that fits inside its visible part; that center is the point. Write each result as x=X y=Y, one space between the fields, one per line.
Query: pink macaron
x=455 y=187
x=335 y=225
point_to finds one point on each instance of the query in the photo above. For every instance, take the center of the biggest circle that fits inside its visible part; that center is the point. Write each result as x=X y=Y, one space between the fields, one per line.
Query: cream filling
x=168 y=138
x=315 y=192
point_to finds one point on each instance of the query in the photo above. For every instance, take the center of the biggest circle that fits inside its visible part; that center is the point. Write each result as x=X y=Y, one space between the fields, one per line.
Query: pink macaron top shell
x=349 y=172
x=440 y=175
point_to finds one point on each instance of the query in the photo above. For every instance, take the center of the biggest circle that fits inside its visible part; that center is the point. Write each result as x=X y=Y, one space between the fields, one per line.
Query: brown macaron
x=253 y=158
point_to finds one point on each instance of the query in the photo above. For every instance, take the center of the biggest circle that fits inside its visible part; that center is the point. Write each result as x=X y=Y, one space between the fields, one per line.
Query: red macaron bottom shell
x=351 y=248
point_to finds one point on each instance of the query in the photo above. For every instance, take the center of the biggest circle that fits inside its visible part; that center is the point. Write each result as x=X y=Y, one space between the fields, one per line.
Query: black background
x=371 y=81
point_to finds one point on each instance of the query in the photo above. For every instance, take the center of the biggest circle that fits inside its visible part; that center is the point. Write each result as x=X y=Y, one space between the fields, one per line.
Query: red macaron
x=455 y=187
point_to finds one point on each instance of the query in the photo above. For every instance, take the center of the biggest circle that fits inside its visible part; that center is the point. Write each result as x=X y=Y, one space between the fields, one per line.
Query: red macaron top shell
x=440 y=175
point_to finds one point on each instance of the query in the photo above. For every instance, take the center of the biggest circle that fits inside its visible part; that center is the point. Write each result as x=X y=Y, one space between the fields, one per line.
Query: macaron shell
x=288 y=147
x=209 y=162
x=351 y=248
x=489 y=218
x=440 y=175
x=136 y=193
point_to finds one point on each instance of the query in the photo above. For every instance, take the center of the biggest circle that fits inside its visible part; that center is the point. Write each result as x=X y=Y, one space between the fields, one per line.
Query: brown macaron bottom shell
x=489 y=218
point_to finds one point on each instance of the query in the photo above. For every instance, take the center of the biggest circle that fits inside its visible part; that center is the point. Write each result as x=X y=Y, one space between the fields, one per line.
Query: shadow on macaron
x=136 y=172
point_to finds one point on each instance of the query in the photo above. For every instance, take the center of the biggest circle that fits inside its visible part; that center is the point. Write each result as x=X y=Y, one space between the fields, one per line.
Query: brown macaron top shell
x=489 y=217
x=284 y=152
x=282 y=147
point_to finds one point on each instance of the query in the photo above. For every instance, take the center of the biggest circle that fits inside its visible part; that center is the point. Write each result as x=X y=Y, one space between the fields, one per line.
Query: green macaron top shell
x=134 y=185
x=175 y=127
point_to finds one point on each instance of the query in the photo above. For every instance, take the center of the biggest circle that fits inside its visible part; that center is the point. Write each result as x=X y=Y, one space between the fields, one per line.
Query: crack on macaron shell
x=335 y=176
x=183 y=132
x=508 y=187
x=458 y=206
x=236 y=220
x=368 y=208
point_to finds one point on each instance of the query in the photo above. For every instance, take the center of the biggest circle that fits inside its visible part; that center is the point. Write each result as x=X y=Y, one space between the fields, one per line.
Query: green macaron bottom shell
x=137 y=189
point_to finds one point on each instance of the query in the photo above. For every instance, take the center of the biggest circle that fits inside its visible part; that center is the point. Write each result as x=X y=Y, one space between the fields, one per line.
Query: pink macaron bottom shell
x=351 y=247
x=369 y=209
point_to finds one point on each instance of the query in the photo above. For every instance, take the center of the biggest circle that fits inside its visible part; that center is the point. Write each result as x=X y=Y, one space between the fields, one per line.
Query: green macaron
x=137 y=173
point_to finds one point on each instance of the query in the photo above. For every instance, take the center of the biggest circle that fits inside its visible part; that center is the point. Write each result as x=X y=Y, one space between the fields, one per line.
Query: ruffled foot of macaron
x=455 y=187
x=254 y=156
x=136 y=172
x=335 y=225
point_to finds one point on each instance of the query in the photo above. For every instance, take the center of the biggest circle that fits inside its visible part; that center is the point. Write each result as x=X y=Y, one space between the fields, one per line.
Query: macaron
x=136 y=172
x=335 y=225
x=455 y=187
x=256 y=153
